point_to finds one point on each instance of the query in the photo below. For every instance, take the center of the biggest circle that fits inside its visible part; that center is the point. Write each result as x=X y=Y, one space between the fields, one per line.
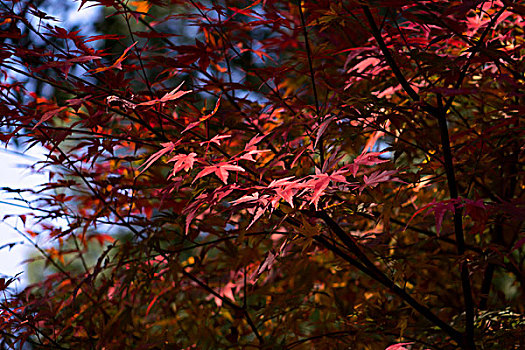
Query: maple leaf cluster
x=268 y=174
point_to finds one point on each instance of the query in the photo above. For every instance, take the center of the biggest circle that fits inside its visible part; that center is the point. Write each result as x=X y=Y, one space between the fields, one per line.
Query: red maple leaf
x=320 y=182
x=167 y=147
x=377 y=177
x=221 y=170
x=182 y=162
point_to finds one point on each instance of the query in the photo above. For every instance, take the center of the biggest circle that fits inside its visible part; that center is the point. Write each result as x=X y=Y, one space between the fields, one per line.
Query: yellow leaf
x=308 y=230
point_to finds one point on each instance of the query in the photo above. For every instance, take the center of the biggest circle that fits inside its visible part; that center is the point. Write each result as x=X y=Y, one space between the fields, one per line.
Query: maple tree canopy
x=229 y=174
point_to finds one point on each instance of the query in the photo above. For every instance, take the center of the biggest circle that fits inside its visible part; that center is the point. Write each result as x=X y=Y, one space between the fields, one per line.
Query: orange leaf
x=118 y=62
x=173 y=95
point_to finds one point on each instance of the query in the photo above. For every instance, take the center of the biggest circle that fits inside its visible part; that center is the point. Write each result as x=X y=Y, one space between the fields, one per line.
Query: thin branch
x=137 y=52
x=458 y=226
x=388 y=56
x=89 y=186
x=226 y=301
x=319 y=336
x=310 y=62
x=58 y=267
x=71 y=91
x=474 y=51
x=80 y=131
x=312 y=77
x=32 y=326
x=379 y=276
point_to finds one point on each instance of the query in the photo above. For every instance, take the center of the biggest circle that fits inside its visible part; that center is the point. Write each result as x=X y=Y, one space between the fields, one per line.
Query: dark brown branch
x=458 y=226
x=439 y=113
x=485 y=286
x=312 y=77
x=374 y=272
x=388 y=56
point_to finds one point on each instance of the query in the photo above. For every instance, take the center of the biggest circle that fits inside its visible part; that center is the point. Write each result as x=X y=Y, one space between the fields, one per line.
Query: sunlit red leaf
x=183 y=162
x=167 y=147
x=221 y=170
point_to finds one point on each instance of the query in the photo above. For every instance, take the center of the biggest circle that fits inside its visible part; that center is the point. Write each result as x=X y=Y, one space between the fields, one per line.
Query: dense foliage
x=271 y=174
